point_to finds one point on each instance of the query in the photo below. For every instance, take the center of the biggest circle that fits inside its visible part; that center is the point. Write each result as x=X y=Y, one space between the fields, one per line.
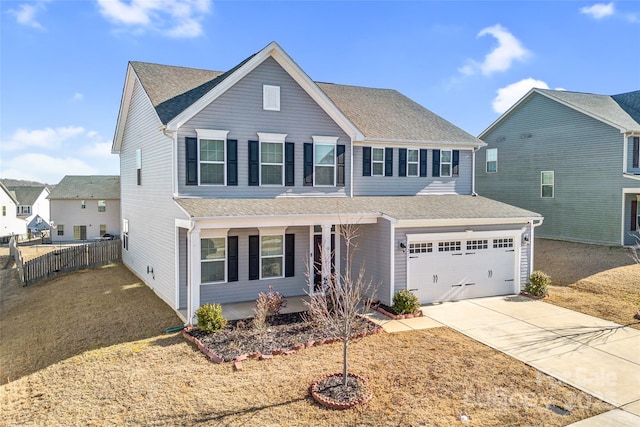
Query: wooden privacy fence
x=69 y=259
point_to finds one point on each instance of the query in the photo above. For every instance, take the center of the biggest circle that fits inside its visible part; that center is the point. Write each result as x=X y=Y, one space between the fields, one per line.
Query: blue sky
x=63 y=63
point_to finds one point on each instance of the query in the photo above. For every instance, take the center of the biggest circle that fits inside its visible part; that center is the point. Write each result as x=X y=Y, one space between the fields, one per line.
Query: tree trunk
x=345 y=348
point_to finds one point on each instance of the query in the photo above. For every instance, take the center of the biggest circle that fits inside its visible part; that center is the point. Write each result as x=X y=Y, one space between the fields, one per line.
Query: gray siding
x=149 y=207
x=405 y=186
x=586 y=156
x=372 y=254
x=239 y=111
x=247 y=290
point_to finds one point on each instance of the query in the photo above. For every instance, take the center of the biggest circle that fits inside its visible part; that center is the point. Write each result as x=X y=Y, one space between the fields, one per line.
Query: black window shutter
x=254 y=257
x=388 y=162
x=402 y=162
x=340 y=162
x=289 y=164
x=308 y=164
x=455 y=161
x=289 y=255
x=191 y=145
x=634 y=215
x=232 y=259
x=423 y=162
x=366 y=161
x=436 y=163
x=232 y=162
x=636 y=151
x=254 y=163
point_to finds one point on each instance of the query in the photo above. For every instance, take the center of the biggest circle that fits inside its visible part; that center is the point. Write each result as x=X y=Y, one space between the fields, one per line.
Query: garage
x=449 y=268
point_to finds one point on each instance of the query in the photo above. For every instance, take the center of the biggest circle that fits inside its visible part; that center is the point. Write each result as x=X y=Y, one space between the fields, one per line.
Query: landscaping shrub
x=405 y=302
x=210 y=318
x=268 y=304
x=538 y=283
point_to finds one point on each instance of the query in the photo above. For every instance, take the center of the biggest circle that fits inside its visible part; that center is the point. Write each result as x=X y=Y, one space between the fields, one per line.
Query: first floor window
x=271 y=256
x=80 y=232
x=413 y=161
x=125 y=234
x=445 y=163
x=213 y=256
x=271 y=163
x=492 y=160
x=377 y=161
x=103 y=229
x=324 y=157
x=546 y=184
x=60 y=230
x=102 y=206
x=4 y=211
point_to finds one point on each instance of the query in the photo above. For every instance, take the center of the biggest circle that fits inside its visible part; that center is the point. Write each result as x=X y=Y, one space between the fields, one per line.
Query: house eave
x=419 y=142
x=464 y=221
x=282 y=220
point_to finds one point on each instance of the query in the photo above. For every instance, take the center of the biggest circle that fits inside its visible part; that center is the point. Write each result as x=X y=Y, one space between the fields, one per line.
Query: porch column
x=194 y=275
x=326 y=251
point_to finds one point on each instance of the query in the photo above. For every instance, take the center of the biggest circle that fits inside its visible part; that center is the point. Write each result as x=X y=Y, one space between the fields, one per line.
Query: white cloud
x=44 y=168
x=97 y=149
x=47 y=138
x=26 y=14
x=173 y=18
x=599 y=10
x=508 y=95
x=78 y=96
x=509 y=49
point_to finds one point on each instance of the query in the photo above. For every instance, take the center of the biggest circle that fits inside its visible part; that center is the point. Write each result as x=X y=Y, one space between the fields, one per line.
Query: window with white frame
x=103 y=229
x=83 y=205
x=377 y=161
x=445 y=163
x=413 y=162
x=271 y=158
x=271 y=98
x=139 y=166
x=324 y=161
x=102 y=206
x=213 y=259
x=60 y=229
x=212 y=156
x=4 y=211
x=125 y=234
x=492 y=160
x=420 y=248
x=271 y=256
x=547 y=182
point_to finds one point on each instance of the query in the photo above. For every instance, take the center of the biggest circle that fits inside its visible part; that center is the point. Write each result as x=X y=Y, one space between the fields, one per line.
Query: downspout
x=532 y=240
x=473 y=171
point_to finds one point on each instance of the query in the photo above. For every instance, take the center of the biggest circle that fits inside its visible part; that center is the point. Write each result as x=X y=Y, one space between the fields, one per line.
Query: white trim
x=623 y=228
x=392 y=262
x=625 y=157
x=326 y=141
x=553 y=185
x=464 y=235
x=212 y=134
x=270 y=98
x=213 y=233
x=406 y=223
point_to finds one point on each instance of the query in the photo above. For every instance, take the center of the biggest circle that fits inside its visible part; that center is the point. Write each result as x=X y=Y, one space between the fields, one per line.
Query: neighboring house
x=10 y=224
x=85 y=207
x=32 y=202
x=234 y=181
x=574 y=158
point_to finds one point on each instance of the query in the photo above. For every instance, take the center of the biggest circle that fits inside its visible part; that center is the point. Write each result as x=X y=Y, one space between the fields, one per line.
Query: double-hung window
x=212 y=156
x=271 y=256
x=413 y=162
x=377 y=161
x=445 y=163
x=547 y=184
x=492 y=160
x=324 y=161
x=271 y=158
x=125 y=234
x=102 y=206
x=213 y=258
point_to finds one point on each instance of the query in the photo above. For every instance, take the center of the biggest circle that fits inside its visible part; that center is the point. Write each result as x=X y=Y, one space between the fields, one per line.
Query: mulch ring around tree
x=329 y=391
x=286 y=334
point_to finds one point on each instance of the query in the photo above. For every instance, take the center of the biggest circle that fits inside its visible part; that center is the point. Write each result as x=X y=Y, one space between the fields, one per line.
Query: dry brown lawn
x=87 y=348
x=601 y=281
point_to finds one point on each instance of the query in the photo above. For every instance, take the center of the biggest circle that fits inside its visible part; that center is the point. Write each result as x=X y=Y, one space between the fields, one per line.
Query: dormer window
x=271 y=98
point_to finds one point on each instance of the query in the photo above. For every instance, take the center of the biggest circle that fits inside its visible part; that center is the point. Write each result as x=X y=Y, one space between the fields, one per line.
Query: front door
x=317 y=260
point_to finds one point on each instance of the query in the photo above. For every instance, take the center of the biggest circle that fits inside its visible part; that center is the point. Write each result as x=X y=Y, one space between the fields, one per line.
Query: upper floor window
x=547 y=184
x=324 y=160
x=271 y=158
x=102 y=206
x=492 y=160
x=377 y=161
x=4 y=211
x=636 y=152
x=212 y=156
x=413 y=162
x=445 y=163
x=139 y=166
x=83 y=205
x=271 y=98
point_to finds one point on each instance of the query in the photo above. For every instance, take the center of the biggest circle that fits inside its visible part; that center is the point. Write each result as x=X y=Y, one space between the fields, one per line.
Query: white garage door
x=447 y=270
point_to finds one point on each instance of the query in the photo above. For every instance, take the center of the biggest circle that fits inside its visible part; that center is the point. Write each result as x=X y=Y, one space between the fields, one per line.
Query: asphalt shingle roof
x=89 y=187
x=26 y=195
x=429 y=207
x=377 y=113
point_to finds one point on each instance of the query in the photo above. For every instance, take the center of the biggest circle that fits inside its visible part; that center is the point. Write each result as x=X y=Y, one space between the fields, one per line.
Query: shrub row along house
x=234 y=181
x=574 y=157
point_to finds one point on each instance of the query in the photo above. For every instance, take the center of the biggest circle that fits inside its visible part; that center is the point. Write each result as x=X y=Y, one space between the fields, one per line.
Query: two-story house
x=573 y=157
x=33 y=205
x=85 y=207
x=10 y=223
x=234 y=181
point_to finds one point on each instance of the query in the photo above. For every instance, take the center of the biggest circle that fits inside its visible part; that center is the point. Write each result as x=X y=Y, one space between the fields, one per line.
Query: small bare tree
x=345 y=297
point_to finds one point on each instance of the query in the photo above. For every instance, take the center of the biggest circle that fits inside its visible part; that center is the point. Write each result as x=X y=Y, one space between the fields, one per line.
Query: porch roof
x=400 y=208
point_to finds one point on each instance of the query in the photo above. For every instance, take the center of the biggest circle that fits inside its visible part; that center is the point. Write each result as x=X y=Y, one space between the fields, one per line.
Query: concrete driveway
x=599 y=357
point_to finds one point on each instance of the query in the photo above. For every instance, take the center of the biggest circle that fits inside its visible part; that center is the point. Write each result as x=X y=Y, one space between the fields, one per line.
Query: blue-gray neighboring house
x=573 y=157
x=234 y=181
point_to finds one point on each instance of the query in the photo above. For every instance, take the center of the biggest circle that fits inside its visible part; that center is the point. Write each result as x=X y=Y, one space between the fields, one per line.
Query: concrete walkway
x=599 y=357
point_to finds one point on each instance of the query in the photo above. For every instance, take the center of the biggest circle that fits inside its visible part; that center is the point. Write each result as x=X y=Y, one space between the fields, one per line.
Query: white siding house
x=10 y=224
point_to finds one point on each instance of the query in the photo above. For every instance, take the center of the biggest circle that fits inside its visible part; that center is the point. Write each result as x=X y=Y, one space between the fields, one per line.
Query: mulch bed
x=329 y=391
x=388 y=311
x=285 y=333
